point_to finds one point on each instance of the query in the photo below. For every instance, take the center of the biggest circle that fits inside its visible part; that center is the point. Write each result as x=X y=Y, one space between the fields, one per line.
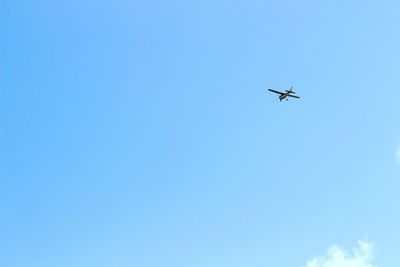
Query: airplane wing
x=294 y=96
x=276 y=92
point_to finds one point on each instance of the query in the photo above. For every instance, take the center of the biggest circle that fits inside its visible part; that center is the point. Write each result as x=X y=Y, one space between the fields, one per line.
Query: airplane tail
x=290 y=90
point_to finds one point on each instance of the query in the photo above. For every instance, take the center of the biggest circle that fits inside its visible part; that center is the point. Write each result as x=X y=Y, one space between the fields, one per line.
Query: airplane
x=282 y=96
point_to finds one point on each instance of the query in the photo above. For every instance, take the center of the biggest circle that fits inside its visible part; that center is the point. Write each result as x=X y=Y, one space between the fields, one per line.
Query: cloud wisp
x=398 y=154
x=360 y=256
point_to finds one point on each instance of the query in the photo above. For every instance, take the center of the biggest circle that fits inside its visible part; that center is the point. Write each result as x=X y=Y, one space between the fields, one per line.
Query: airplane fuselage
x=283 y=96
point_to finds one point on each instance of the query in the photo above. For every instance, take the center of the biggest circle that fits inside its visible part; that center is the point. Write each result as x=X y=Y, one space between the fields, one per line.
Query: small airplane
x=282 y=96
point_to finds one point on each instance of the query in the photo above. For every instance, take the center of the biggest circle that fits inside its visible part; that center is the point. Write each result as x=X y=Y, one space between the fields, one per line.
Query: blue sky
x=140 y=133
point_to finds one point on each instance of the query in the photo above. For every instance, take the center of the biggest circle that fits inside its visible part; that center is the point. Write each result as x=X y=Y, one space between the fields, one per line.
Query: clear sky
x=141 y=133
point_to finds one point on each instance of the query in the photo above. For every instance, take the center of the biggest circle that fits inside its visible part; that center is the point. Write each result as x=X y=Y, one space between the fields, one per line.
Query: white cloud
x=361 y=256
x=398 y=155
